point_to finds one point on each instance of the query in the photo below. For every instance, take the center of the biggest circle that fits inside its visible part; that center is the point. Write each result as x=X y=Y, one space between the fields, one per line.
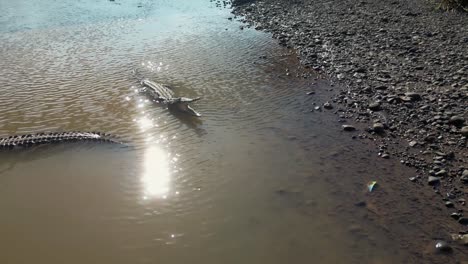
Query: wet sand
x=400 y=76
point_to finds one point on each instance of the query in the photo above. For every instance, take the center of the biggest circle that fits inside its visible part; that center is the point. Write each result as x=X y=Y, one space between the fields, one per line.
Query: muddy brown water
x=258 y=179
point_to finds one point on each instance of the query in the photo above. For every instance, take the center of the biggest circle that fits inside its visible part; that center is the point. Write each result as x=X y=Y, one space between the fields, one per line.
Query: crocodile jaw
x=191 y=111
x=186 y=108
x=182 y=105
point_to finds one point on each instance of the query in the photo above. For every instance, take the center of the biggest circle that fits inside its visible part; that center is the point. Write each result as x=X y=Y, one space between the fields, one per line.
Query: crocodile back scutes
x=158 y=90
x=48 y=138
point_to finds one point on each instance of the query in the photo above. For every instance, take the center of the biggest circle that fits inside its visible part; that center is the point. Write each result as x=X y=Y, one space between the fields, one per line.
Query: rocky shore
x=401 y=74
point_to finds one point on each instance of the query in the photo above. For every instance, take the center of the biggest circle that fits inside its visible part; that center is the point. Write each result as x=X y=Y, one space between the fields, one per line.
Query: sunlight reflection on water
x=156 y=173
x=156 y=162
x=145 y=123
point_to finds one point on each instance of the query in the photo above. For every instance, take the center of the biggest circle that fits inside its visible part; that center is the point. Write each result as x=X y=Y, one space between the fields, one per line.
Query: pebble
x=455 y=216
x=381 y=87
x=375 y=106
x=413 y=143
x=433 y=180
x=464 y=176
x=442 y=246
x=414 y=96
x=464 y=179
x=406 y=99
x=464 y=131
x=457 y=120
x=441 y=173
x=348 y=128
x=462 y=201
x=360 y=204
x=463 y=220
x=378 y=127
x=327 y=105
x=462 y=239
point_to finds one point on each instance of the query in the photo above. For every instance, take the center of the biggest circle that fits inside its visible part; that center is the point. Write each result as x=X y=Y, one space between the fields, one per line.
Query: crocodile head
x=182 y=104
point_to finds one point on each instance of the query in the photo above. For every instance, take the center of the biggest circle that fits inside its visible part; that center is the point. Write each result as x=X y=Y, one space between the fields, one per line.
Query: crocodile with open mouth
x=163 y=94
x=159 y=93
x=30 y=140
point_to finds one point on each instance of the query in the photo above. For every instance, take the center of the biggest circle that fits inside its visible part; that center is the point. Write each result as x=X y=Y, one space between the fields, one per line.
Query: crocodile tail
x=54 y=137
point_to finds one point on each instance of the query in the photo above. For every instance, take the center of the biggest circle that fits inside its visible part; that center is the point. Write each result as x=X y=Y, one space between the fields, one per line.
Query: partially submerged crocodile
x=49 y=138
x=159 y=92
x=163 y=94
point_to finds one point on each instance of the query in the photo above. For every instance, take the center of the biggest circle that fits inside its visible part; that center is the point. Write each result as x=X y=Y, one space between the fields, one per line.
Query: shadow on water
x=11 y=157
x=193 y=122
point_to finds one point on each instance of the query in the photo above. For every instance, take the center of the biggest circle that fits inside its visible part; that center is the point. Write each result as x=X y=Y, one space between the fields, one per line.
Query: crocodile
x=30 y=140
x=163 y=94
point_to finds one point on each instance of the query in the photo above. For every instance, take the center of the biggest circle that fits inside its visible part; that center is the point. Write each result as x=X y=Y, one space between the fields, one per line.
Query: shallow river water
x=257 y=179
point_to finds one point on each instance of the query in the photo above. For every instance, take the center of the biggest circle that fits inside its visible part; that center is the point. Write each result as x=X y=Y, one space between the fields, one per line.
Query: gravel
x=402 y=64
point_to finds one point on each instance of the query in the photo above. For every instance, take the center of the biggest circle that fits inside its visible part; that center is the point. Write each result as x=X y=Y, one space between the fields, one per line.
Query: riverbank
x=401 y=74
